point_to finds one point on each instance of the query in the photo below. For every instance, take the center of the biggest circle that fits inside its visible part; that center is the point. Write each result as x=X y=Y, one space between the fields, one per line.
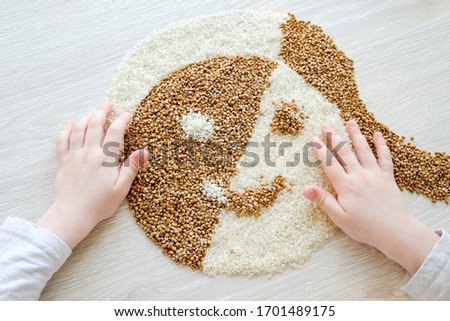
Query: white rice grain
x=214 y=191
x=197 y=126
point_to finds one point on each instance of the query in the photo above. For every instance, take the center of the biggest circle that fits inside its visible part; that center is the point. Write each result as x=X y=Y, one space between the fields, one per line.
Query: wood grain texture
x=57 y=60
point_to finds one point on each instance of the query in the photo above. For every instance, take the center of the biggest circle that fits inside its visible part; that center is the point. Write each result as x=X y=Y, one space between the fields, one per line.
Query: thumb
x=325 y=200
x=130 y=167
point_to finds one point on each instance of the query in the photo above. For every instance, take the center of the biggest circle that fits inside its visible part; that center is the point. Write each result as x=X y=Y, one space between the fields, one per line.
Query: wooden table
x=57 y=60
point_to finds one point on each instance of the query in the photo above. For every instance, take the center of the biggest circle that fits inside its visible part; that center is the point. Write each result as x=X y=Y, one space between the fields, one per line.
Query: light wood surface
x=57 y=59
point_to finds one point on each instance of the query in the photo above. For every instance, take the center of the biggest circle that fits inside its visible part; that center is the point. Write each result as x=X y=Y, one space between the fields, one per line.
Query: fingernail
x=352 y=123
x=142 y=157
x=308 y=193
x=126 y=115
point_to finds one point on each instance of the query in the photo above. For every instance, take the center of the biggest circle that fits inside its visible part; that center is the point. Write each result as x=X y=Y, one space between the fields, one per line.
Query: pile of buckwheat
x=287 y=119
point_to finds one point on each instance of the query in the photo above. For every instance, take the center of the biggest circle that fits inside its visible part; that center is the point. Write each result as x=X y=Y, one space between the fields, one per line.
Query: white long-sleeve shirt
x=29 y=255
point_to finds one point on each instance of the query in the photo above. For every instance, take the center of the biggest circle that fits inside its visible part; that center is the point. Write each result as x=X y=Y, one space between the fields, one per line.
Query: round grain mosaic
x=209 y=98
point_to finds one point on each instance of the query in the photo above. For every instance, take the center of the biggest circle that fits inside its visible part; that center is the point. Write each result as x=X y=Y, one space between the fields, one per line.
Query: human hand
x=369 y=206
x=87 y=191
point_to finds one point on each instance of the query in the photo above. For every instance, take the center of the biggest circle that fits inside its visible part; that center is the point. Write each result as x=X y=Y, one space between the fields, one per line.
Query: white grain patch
x=287 y=233
x=214 y=191
x=197 y=126
x=234 y=33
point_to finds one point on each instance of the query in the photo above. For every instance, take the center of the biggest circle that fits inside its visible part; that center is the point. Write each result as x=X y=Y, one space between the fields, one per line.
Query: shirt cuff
x=28 y=258
x=23 y=230
x=431 y=281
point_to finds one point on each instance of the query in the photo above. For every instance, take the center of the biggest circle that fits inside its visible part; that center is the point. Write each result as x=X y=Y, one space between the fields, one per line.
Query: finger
x=383 y=153
x=114 y=134
x=340 y=148
x=362 y=149
x=106 y=107
x=63 y=141
x=331 y=166
x=326 y=201
x=79 y=132
x=95 y=129
x=130 y=167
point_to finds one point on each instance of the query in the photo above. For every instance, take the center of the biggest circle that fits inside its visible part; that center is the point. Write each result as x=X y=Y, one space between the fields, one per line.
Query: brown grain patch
x=314 y=56
x=166 y=196
x=287 y=119
x=252 y=200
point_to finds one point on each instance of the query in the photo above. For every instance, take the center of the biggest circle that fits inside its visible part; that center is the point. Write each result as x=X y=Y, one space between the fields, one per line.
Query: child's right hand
x=369 y=206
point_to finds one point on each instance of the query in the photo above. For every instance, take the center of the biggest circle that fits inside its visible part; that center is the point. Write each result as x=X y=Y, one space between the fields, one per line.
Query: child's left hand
x=88 y=188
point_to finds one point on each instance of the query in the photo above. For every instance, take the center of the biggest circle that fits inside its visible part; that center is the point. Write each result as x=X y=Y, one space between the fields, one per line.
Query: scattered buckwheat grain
x=287 y=119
